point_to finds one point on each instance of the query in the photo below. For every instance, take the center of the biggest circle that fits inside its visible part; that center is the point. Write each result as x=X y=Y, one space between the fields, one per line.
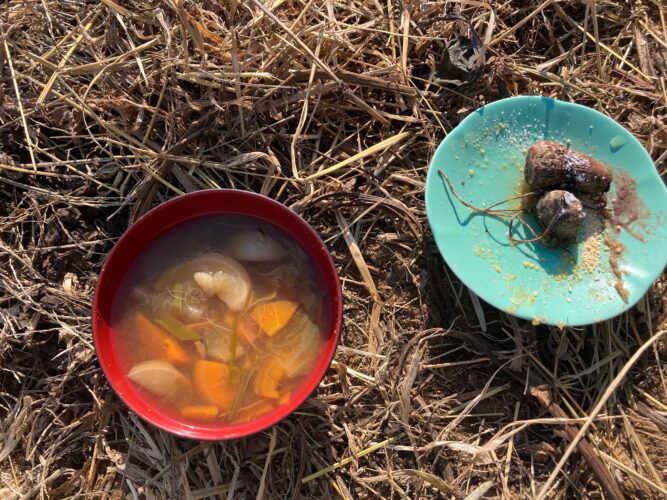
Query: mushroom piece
x=161 y=379
x=184 y=299
x=194 y=304
x=195 y=301
x=254 y=246
x=215 y=274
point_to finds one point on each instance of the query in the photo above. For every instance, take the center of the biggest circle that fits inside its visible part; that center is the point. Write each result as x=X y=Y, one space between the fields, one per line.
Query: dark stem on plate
x=511 y=213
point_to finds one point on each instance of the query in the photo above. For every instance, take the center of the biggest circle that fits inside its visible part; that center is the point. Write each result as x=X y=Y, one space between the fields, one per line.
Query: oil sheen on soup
x=220 y=320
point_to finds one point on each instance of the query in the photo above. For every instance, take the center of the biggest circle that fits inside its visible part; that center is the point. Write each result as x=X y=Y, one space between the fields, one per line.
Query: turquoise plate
x=484 y=157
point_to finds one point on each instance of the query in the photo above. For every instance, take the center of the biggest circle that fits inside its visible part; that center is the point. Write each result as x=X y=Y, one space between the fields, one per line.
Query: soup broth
x=220 y=320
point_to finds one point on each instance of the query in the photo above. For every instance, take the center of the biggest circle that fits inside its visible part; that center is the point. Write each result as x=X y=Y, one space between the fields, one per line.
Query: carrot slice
x=158 y=341
x=205 y=413
x=273 y=316
x=284 y=398
x=215 y=383
x=269 y=376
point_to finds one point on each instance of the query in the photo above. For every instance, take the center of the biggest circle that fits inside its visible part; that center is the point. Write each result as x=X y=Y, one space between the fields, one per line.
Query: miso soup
x=220 y=320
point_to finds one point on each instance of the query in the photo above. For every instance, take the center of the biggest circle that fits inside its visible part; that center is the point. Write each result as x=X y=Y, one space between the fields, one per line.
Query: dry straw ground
x=108 y=107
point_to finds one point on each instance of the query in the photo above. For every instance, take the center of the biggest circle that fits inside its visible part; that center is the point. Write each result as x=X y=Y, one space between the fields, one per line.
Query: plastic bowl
x=146 y=230
x=484 y=158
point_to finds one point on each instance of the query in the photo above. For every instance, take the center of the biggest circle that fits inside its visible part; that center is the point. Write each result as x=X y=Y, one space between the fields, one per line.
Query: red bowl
x=152 y=225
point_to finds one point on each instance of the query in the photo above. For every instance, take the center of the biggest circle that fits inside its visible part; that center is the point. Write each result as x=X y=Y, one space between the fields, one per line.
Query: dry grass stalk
x=333 y=108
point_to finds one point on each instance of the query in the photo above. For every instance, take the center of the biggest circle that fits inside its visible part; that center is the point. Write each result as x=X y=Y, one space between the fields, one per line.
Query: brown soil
x=334 y=109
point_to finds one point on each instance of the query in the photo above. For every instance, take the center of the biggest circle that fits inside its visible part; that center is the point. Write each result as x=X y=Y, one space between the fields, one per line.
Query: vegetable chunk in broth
x=220 y=320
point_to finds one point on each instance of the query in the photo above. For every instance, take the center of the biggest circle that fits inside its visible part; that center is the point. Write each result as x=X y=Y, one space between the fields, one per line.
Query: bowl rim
x=329 y=274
